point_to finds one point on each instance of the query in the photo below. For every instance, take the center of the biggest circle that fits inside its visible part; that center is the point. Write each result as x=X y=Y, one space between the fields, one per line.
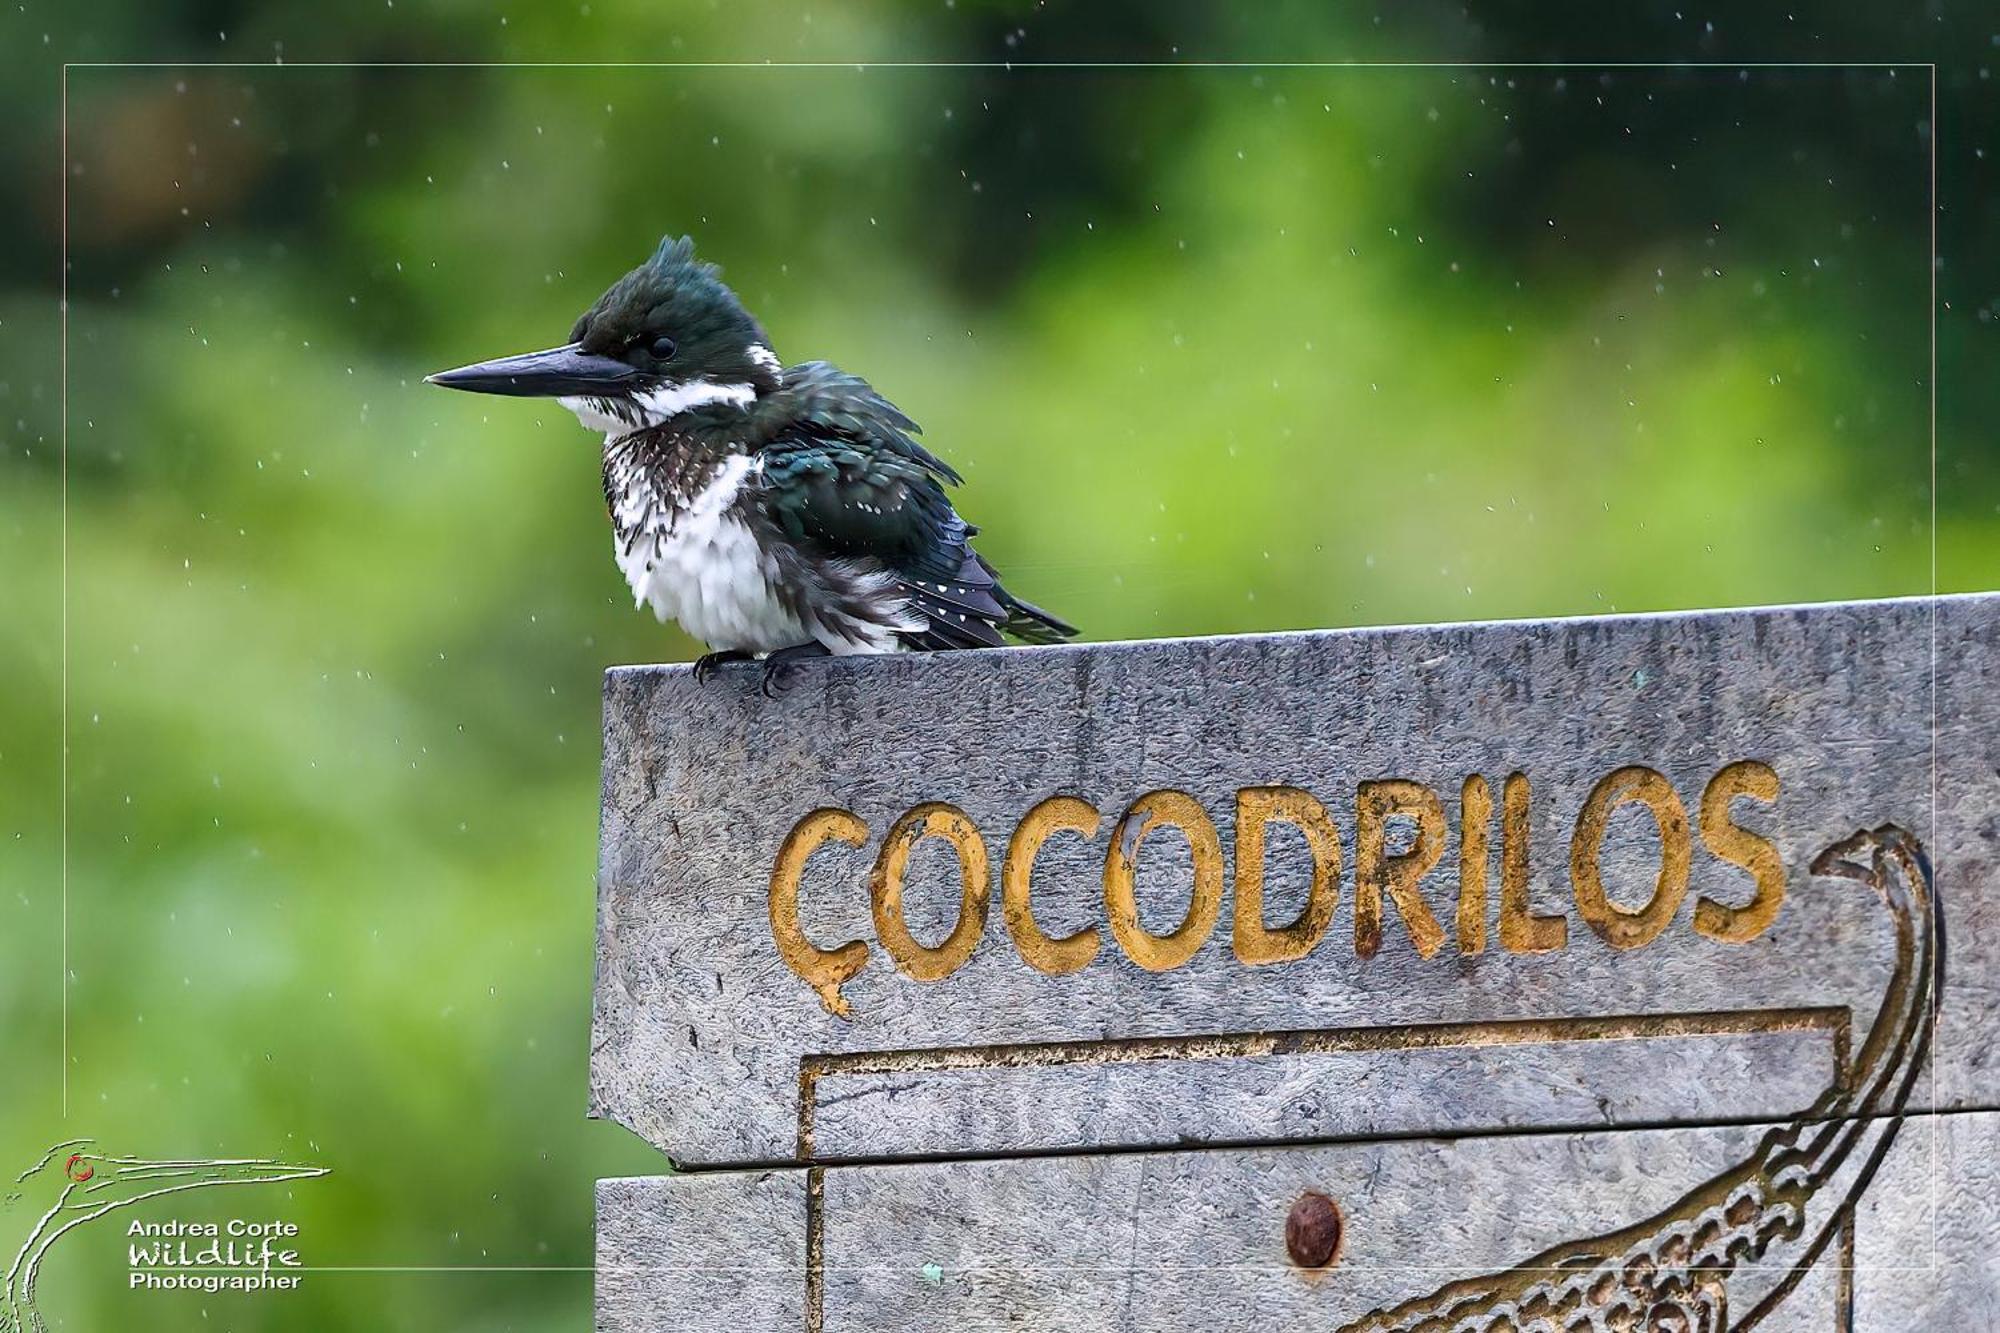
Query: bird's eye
x=663 y=348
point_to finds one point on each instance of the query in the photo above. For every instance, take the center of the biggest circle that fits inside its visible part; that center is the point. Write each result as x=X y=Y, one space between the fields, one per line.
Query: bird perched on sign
x=774 y=511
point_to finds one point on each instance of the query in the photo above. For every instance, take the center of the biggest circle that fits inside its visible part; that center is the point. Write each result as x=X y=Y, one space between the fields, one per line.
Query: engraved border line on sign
x=1838 y=1020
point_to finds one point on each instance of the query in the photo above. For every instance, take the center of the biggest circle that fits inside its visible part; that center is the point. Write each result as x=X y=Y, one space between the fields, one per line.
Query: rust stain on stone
x=1312 y=1231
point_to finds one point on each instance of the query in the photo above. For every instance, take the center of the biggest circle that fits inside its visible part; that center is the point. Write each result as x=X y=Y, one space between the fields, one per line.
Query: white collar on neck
x=652 y=407
x=670 y=400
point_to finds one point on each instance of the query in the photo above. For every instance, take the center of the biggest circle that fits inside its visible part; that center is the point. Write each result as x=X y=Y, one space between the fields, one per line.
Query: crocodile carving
x=1680 y=1270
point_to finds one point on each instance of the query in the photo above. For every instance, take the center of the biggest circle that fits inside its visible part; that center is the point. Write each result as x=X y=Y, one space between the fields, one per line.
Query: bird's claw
x=777 y=666
x=705 y=665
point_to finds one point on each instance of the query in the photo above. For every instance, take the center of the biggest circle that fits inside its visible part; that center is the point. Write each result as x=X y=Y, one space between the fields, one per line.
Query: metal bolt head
x=1312 y=1230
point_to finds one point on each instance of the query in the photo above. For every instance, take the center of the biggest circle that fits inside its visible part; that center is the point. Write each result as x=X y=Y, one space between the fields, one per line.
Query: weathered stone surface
x=1194 y=1240
x=1616 y=1019
x=705 y=1038
x=1927 y=1232
x=1735 y=1074
x=719 y=1251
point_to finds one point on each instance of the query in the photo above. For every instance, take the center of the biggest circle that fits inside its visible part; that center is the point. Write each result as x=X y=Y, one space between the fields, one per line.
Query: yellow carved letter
x=1255 y=807
x=1522 y=931
x=1475 y=819
x=933 y=819
x=1619 y=928
x=1374 y=871
x=1738 y=846
x=822 y=969
x=1161 y=953
x=1051 y=957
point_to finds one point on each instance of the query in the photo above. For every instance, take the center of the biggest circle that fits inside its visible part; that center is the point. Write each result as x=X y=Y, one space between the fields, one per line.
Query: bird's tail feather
x=1030 y=624
x=1025 y=621
x=974 y=611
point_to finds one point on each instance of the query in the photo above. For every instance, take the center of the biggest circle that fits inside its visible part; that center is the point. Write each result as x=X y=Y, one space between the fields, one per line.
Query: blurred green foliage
x=1218 y=349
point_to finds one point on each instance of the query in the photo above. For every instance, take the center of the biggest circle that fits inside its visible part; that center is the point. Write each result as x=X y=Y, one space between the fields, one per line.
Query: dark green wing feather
x=853 y=499
x=823 y=400
x=842 y=479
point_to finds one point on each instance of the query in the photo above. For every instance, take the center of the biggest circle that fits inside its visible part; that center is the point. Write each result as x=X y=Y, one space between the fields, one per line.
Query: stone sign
x=1581 y=974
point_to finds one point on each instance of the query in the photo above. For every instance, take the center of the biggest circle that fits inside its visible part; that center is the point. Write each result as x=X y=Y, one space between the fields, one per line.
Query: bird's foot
x=705 y=665
x=777 y=665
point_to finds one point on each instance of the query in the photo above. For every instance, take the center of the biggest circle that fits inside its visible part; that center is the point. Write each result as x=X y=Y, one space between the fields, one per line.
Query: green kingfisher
x=774 y=511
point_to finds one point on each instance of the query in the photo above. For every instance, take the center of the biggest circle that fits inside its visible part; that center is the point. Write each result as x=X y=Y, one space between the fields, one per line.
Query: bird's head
x=666 y=338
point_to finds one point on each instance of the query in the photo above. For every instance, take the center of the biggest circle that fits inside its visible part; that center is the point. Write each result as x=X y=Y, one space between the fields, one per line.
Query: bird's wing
x=854 y=501
x=820 y=399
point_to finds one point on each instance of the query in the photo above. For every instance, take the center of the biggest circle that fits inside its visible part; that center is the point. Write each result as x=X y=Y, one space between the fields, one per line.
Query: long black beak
x=560 y=372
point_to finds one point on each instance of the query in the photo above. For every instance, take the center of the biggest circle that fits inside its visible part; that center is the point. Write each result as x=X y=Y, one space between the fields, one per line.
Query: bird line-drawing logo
x=81 y=1184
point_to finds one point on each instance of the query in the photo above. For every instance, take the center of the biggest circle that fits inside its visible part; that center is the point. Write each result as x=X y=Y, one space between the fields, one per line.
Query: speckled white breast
x=700 y=564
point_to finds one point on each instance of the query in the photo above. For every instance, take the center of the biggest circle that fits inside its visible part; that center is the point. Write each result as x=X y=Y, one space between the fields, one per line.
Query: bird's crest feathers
x=672 y=292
